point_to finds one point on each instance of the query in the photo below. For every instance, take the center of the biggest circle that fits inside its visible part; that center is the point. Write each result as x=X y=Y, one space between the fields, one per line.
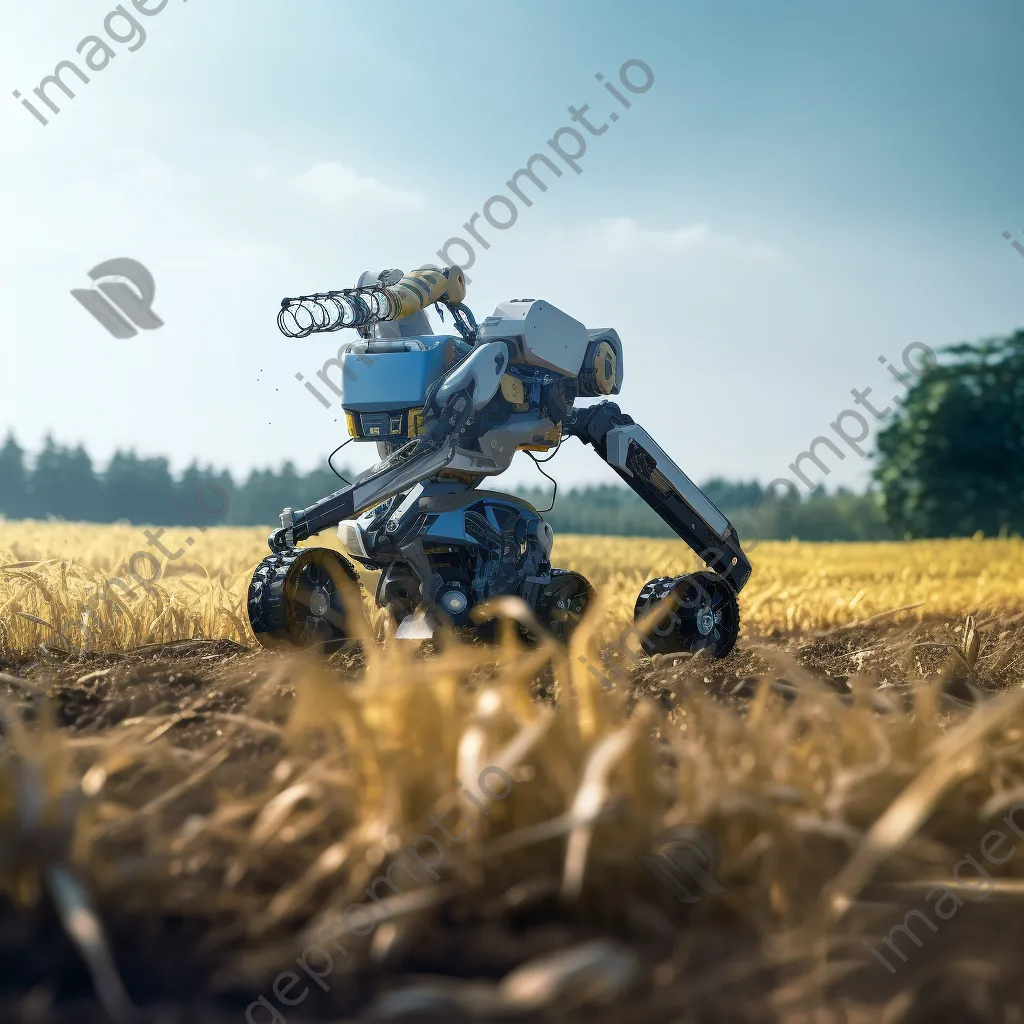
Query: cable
x=465 y=322
x=551 y=456
x=538 y=463
x=348 y=483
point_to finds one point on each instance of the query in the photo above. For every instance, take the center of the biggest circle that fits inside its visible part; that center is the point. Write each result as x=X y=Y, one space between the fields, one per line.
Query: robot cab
x=385 y=383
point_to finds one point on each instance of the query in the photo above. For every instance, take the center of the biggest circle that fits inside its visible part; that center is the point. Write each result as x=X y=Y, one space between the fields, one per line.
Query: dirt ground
x=194 y=692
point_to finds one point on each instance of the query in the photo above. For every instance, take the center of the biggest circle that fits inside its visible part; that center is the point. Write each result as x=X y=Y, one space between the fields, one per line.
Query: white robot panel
x=544 y=335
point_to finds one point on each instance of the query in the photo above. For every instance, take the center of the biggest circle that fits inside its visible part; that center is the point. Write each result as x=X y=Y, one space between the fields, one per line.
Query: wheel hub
x=562 y=603
x=705 y=620
x=454 y=602
x=319 y=602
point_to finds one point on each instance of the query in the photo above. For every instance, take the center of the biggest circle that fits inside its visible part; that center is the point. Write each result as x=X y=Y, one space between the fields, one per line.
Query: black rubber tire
x=696 y=594
x=281 y=591
x=575 y=591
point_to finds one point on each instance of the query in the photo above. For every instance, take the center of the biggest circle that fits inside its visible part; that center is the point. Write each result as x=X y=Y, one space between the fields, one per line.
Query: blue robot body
x=385 y=383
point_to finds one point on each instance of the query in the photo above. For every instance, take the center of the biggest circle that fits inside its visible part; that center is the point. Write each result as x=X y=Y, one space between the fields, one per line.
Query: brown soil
x=694 y=963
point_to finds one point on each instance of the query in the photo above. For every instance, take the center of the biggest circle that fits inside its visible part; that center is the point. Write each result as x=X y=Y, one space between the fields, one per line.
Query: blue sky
x=805 y=186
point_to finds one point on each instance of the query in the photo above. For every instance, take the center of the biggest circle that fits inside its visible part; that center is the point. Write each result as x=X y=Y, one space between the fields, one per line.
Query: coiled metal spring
x=331 y=311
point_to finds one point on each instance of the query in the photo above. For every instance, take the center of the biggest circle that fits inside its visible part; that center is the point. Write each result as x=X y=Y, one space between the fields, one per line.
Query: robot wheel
x=705 y=615
x=563 y=602
x=298 y=598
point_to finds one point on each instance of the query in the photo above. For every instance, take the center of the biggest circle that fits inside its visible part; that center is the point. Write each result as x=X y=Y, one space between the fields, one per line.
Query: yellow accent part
x=353 y=426
x=422 y=288
x=605 y=369
x=454 y=474
x=551 y=438
x=659 y=480
x=415 y=422
x=512 y=389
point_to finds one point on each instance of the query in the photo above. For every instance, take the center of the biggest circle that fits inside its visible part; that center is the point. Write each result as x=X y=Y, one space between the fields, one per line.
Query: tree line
x=63 y=482
x=950 y=464
x=616 y=511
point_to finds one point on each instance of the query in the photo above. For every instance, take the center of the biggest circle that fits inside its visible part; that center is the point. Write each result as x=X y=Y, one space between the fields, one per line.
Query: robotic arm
x=648 y=470
x=368 y=305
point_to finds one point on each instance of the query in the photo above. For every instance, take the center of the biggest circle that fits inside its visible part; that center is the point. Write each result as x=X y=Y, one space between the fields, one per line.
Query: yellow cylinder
x=421 y=288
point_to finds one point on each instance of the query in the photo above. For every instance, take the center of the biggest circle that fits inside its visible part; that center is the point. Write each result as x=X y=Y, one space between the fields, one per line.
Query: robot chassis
x=447 y=411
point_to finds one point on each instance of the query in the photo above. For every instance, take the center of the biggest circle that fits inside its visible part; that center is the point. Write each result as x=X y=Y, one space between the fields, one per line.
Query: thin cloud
x=624 y=237
x=337 y=187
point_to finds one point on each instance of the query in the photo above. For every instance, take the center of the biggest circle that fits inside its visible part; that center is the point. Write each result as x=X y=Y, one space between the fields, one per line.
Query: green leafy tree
x=952 y=462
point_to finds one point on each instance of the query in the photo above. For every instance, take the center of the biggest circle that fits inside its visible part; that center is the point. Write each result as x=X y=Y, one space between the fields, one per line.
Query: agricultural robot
x=446 y=411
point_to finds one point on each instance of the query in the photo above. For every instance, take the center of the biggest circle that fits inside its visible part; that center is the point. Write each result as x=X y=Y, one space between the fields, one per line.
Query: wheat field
x=49 y=571
x=187 y=822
